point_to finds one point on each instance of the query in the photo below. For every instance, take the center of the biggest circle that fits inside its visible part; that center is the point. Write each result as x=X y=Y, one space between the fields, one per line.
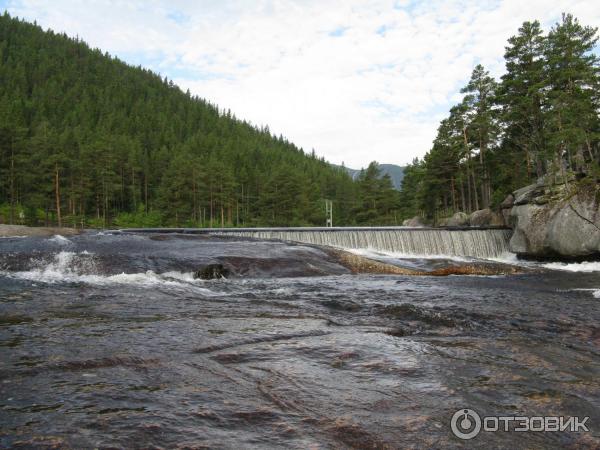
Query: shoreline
x=25 y=231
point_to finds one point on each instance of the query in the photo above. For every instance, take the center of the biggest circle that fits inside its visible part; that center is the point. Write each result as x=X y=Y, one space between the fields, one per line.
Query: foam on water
x=60 y=240
x=375 y=253
x=585 y=266
x=595 y=292
x=71 y=267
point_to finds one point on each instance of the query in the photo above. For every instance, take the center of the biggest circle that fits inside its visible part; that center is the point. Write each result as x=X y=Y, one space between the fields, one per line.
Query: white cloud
x=356 y=80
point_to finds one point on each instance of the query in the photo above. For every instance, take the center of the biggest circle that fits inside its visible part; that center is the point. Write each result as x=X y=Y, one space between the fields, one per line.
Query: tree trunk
x=194 y=198
x=12 y=182
x=462 y=196
x=133 y=190
x=146 y=193
x=211 y=206
x=468 y=168
x=484 y=177
x=469 y=193
x=475 y=196
x=528 y=161
x=452 y=190
x=57 y=194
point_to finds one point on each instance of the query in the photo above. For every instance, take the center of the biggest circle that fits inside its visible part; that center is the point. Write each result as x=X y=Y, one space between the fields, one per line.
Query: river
x=108 y=341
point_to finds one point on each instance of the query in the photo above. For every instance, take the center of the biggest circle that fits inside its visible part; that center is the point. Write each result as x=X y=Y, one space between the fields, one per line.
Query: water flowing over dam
x=473 y=242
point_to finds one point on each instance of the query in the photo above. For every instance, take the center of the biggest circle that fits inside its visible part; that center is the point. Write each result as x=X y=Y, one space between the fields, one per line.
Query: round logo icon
x=465 y=424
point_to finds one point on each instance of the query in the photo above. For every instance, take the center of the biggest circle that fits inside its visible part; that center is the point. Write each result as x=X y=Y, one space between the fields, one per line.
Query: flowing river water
x=108 y=341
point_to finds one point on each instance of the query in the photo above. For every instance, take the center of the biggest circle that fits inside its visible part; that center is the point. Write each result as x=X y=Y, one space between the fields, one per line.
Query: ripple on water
x=149 y=359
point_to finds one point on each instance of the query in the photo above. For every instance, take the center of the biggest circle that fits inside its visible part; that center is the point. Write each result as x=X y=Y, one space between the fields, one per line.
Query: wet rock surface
x=211 y=272
x=139 y=354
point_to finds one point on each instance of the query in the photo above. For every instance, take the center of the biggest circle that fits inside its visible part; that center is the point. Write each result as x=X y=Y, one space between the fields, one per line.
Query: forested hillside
x=540 y=119
x=86 y=140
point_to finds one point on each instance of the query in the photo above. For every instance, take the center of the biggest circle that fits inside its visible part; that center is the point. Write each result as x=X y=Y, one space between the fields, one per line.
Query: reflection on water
x=108 y=341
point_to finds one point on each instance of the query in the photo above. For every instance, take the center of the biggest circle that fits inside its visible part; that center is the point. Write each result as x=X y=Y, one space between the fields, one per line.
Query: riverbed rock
x=485 y=218
x=416 y=221
x=360 y=264
x=21 y=230
x=211 y=272
x=459 y=219
x=556 y=221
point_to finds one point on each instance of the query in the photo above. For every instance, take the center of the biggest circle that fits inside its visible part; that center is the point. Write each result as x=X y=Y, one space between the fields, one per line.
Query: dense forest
x=540 y=119
x=89 y=141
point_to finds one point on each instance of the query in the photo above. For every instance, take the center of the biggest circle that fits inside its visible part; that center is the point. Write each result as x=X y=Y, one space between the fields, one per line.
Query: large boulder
x=529 y=222
x=416 y=221
x=485 y=218
x=459 y=219
x=556 y=221
x=526 y=194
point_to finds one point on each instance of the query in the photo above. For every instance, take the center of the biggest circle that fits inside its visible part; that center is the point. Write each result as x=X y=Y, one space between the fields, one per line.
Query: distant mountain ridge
x=395 y=172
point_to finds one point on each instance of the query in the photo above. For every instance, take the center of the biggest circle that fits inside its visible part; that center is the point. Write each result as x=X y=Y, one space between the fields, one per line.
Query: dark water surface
x=108 y=341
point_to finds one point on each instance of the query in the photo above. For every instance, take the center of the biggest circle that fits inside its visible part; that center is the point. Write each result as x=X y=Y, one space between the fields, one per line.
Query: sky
x=357 y=81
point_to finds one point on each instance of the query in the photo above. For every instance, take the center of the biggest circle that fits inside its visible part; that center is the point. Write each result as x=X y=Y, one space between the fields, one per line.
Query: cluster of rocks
x=551 y=219
x=555 y=220
x=481 y=218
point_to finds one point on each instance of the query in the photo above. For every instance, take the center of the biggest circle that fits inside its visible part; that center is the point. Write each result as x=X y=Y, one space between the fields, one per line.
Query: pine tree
x=522 y=97
x=482 y=125
x=572 y=74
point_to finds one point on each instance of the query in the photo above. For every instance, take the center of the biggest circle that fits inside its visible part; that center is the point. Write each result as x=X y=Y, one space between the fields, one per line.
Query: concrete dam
x=473 y=242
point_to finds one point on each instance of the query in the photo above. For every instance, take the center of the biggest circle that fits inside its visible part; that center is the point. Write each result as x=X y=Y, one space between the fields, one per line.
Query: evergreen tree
x=548 y=123
x=572 y=74
x=522 y=97
x=482 y=126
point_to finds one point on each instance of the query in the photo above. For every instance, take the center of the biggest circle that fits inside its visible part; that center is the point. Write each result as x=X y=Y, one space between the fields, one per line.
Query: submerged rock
x=211 y=272
x=478 y=269
x=360 y=264
x=408 y=311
